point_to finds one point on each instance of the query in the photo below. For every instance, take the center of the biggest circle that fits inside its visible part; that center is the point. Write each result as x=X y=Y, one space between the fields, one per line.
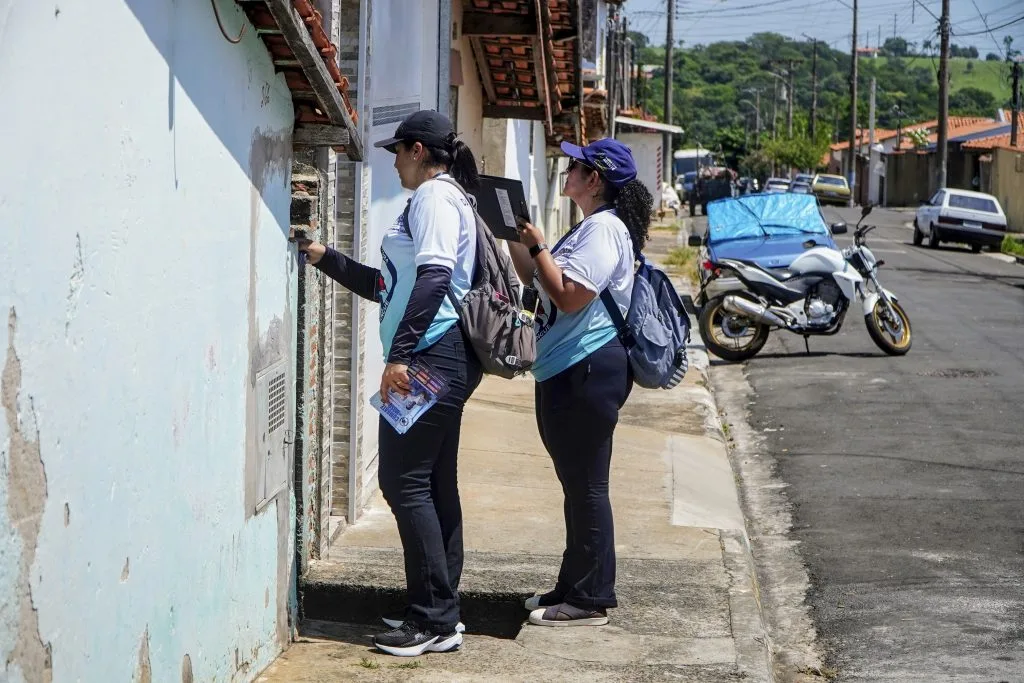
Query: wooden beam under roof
x=320 y=135
x=293 y=28
x=492 y=111
x=480 y=56
x=488 y=24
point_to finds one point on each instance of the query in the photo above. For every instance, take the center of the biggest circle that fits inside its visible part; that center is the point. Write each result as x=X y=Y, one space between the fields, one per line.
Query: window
x=960 y=201
x=825 y=180
x=937 y=199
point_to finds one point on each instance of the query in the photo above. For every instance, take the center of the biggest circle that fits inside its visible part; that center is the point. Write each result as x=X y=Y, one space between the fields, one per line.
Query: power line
x=990 y=34
x=994 y=28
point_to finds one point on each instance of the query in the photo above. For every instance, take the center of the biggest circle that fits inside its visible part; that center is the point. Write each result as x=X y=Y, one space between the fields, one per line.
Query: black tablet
x=499 y=201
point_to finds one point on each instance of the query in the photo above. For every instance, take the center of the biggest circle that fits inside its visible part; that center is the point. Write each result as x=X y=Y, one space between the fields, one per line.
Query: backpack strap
x=625 y=336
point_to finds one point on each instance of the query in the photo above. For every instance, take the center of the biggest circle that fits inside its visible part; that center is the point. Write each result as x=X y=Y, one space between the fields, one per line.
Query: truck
x=714 y=182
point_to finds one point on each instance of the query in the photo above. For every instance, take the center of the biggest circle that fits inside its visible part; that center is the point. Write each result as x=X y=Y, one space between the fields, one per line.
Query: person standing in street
x=430 y=250
x=582 y=373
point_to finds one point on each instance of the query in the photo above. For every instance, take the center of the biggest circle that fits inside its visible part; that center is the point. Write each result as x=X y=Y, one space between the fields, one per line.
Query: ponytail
x=463 y=166
x=458 y=158
x=633 y=205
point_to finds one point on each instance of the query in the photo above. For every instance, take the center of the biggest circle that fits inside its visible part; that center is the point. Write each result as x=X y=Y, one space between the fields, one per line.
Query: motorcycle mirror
x=866 y=210
x=695 y=240
x=839 y=228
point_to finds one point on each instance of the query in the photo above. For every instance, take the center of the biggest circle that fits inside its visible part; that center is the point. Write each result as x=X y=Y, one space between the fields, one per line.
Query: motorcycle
x=812 y=299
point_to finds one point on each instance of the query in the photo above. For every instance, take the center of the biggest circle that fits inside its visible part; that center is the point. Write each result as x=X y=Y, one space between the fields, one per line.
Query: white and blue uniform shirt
x=597 y=254
x=441 y=231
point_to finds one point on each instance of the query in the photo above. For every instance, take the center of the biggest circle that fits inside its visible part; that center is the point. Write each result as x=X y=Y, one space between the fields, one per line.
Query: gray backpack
x=655 y=330
x=491 y=314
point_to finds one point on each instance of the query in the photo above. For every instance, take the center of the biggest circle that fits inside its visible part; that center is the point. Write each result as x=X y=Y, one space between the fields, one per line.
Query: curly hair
x=633 y=204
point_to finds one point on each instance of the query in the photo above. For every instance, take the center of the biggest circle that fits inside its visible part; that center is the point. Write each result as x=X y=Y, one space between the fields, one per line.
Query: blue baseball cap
x=612 y=159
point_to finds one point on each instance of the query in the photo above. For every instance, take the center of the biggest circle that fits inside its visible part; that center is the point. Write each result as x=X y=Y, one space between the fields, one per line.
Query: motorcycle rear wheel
x=730 y=336
x=892 y=336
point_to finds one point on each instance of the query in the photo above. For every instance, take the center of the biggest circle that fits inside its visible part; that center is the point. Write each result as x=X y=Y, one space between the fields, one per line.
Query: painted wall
x=145 y=280
x=1008 y=185
x=402 y=82
x=469 y=122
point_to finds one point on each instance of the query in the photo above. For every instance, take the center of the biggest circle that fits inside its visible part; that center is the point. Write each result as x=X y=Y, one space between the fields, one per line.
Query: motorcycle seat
x=780 y=274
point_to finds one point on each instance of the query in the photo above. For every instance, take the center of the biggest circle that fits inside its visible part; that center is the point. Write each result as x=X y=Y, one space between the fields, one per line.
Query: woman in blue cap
x=582 y=370
x=430 y=249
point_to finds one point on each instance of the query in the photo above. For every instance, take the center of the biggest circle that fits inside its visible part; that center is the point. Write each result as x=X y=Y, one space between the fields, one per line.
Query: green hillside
x=992 y=77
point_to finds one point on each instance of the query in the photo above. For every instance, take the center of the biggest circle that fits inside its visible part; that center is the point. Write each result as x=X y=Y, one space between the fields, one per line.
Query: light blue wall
x=144 y=205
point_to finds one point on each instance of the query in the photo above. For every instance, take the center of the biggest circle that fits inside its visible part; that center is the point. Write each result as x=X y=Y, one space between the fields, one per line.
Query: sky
x=709 y=21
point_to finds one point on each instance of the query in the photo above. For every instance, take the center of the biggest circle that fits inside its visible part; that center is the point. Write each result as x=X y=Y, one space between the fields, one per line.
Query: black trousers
x=418 y=476
x=577 y=411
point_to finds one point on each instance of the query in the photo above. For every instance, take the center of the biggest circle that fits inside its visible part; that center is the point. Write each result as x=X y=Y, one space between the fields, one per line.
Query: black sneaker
x=409 y=641
x=549 y=599
x=567 y=615
x=396 y=618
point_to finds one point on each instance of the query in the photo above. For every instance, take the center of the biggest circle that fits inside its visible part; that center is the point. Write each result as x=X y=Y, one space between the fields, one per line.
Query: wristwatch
x=536 y=249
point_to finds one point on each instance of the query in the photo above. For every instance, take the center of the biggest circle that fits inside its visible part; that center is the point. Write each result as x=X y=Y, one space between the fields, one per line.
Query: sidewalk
x=688 y=601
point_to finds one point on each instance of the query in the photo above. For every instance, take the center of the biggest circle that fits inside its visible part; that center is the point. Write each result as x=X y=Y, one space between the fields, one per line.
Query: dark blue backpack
x=656 y=328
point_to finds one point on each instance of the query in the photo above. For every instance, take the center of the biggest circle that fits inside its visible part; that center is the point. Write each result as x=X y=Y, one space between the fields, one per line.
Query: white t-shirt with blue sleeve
x=441 y=231
x=598 y=254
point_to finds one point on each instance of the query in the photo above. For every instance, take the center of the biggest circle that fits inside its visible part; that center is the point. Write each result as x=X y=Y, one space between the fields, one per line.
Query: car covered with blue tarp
x=767 y=229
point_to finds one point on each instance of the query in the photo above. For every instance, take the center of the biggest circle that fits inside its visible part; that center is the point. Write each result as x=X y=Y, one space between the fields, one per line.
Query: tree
x=800 y=150
x=972 y=101
x=894 y=47
x=992 y=57
x=732 y=144
x=972 y=52
x=639 y=39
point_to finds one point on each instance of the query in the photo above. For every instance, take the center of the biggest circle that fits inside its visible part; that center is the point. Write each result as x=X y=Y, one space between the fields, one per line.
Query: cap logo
x=602 y=161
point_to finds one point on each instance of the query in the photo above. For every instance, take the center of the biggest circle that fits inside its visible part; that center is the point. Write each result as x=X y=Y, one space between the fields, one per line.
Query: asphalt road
x=906 y=475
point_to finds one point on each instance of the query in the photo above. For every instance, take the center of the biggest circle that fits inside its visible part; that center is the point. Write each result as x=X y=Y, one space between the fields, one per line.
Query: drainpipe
x=549 y=199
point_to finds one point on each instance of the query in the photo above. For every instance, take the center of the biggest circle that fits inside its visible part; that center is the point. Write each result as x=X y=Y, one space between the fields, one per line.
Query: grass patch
x=409 y=665
x=1014 y=246
x=368 y=663
x=683 y=260
x=828 y=673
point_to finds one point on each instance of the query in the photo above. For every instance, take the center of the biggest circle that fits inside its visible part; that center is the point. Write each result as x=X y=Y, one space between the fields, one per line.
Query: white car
x=776 y=185
x=971 y=218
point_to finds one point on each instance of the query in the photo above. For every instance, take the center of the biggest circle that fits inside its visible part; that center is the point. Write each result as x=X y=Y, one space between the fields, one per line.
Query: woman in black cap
x=429 y=250
x=582 y=370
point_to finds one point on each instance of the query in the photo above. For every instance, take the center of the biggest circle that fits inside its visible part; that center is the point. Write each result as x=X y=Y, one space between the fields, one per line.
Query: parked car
x=804 y=178
x=971 y=218
x=776 y=185
x=831 y=189
x=798 y=187
x=767 y=229
x=684 y=184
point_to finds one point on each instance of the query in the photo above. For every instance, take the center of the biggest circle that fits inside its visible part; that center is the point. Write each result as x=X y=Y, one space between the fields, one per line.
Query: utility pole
x=871 y=145
x=899 y=124
x=624 y=66
x=775 y=110
x=814 y=90
x=610 y=71
x=790 y=96
x=666 y=141
x=1014 y=124
x=943 y=137
x=851 y=158
x=894 y=26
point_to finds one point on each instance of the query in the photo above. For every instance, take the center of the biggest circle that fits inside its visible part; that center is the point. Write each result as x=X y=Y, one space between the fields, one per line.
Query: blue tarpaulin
x=758 y=215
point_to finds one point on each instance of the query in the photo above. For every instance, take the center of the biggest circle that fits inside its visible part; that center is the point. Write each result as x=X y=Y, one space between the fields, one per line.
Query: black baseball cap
x=429 y=127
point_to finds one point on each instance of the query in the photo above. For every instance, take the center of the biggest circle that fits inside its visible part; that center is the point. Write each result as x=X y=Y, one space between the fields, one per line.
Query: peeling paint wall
x=145 y=282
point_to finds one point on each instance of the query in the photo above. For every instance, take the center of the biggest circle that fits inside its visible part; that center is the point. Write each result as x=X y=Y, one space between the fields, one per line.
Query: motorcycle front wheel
x=730 y=336
x=891 y=334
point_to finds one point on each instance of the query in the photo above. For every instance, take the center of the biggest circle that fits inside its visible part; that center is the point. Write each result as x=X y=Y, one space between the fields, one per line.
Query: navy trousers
x=418 y=476
x=577 y=411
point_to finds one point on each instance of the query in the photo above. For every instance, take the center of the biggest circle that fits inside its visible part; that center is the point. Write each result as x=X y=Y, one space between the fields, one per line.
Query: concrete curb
x=781 y=575
x=753 y=645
